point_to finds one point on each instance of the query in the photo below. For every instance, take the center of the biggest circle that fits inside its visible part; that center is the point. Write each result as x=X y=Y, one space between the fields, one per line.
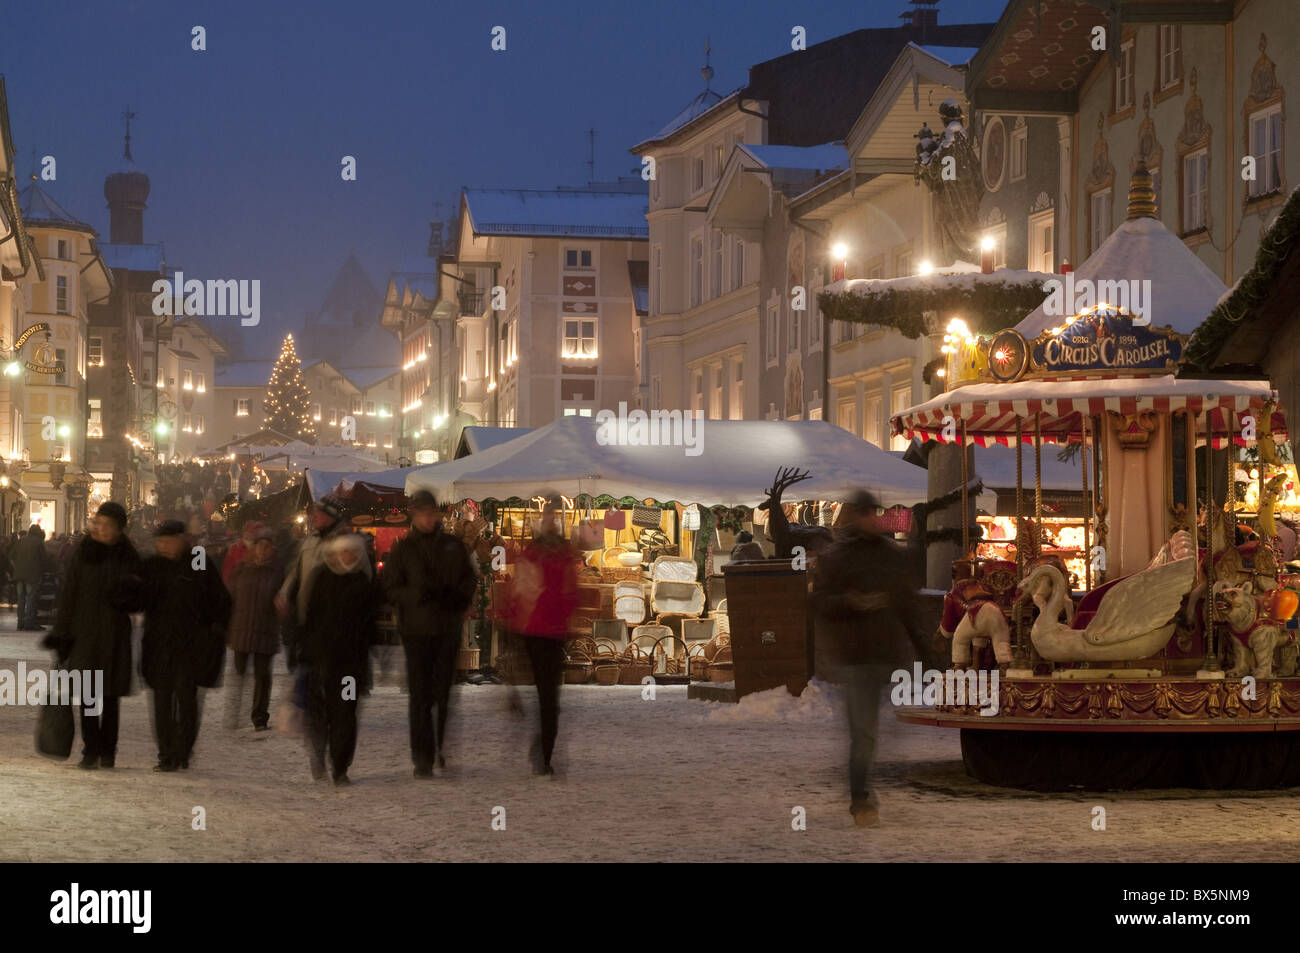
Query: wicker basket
x=674 y=661
x=607 y=673
x=721 y=667
x=630 y=609
x=697 y=663
x=619 y=573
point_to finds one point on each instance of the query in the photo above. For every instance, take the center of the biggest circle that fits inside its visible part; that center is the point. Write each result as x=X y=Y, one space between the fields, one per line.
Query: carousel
x=1166 y=656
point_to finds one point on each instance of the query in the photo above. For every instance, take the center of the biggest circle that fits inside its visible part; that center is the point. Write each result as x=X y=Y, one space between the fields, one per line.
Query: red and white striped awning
x=990 y=410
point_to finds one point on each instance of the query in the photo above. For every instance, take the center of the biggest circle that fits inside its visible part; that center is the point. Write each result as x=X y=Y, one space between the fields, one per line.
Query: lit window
x=900 y=400
x=95 y=352
x=187 y=424
x=94 y=418
x=242 y=406
x=63 y=250
x=201 y=383
x=315 y=411
x=356 y=405
x=198 y=424
x=579 y=338
x=187 y=380
x=370 y=408
x=334 y=417
x=1266 y=147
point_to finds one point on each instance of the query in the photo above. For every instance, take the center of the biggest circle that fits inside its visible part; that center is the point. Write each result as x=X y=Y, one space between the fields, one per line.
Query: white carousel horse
x=1133 y=620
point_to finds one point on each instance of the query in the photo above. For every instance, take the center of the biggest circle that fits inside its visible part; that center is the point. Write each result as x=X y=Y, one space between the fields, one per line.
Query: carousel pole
x=1020 y=657
x=1038 y=479
x=965 y=506
x=1083 y=471
x=1211 y=653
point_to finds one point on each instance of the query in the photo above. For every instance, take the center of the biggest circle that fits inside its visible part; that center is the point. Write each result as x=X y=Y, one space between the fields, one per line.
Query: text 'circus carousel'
x=1169 y=659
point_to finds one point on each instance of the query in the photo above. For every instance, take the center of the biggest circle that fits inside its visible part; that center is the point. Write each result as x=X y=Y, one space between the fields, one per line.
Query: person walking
x=327 y=523
x=430 y=578
x=240 y=551
x=542 y=598
x=339 y=627
x=254 y=629
x=864 y=606
x=29 y=561
x=92 y=628
x=185 y=614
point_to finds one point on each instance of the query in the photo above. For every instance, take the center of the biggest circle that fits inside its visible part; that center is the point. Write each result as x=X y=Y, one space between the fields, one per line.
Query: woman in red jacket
x=543 y=597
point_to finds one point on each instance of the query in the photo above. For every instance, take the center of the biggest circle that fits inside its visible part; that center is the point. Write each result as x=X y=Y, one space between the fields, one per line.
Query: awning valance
x=990 y=410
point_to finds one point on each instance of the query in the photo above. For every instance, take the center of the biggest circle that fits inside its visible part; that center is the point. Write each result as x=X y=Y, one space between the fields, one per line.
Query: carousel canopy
x=990 y=410
x=736 y=459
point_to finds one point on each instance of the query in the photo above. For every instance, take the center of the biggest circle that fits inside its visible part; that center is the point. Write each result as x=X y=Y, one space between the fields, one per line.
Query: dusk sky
x=243 y=142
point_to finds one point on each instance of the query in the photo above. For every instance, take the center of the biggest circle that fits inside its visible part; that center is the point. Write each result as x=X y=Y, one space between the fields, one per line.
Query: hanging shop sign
x=45 y=361
x=22 y=338
x=1106 y=340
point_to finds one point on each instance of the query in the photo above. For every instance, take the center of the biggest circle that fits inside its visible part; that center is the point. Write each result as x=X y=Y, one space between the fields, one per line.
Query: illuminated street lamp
x=840 y=255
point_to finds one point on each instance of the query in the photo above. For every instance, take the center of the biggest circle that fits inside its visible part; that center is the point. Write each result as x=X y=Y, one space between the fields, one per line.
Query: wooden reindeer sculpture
x=781 y=531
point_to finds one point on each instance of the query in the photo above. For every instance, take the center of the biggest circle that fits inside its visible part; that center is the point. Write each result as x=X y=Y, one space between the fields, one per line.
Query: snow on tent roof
x=478 y=439
x=952 y=55
x=320 y=482
x=821 y=158
x=736 y=459
x=132 y=257
x=559 y=212
x=244 y=373
x=1183 y=289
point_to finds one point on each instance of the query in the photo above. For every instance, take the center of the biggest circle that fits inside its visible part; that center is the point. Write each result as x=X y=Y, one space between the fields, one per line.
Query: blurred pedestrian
x=542 y=598
x=865 y=608
x=327 y=523
x=30 y=562
x=332 y=647
x=185 y=614
x=429 y=577
x=254 y=629
x=92 y=629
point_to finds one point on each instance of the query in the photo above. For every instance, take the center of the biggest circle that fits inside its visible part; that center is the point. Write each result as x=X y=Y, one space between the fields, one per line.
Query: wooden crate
x=767 y=604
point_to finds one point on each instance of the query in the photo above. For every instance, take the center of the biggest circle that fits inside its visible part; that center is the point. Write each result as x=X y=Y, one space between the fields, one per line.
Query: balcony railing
x=471 y=302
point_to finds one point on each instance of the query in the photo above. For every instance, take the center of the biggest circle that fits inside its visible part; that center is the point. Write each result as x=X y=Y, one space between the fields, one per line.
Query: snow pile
x=819 y=702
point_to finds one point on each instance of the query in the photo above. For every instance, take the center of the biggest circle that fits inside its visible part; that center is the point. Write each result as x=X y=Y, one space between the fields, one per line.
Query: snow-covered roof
x=1183 y=289
x=477 y=439
x=952 y=55
x=367 y=377
x=559 y=212
x=572 y=455
x=823 y=158
x=39 y=208
x=696 y=108
x=244 y=373
x=959 y=275
x=320 y=482
x=133 y=257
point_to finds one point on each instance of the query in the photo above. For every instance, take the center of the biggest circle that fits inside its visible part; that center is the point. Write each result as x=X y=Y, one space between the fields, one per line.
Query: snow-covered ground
x=668 y=779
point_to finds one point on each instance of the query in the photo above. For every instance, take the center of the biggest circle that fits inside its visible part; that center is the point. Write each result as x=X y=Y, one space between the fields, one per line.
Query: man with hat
x=295 y=594
x=865 y=611
x=92 y=629
x=186 y=607
x=430 y=578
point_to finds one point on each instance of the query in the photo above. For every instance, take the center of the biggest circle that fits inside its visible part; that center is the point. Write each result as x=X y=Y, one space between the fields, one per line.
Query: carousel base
x=1137 y=732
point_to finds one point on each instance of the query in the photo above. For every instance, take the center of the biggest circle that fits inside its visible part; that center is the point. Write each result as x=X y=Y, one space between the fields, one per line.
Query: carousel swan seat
x=1089 y=603
x=1132 y=619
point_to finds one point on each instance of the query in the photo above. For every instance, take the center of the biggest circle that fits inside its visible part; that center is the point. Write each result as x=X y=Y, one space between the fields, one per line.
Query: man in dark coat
x=254 y=628
x=93 y=627
x=865 y=607
x=333 y=646
x=185 y=614
x=430 y=578
x=30 y=562
x=327 y=522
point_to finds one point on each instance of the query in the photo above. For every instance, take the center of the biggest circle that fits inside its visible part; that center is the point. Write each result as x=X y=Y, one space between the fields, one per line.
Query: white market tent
x=320 y=482
x=737 y=459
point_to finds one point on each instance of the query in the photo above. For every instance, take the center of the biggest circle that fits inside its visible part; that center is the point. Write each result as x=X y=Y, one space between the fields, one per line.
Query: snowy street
x=663 y=780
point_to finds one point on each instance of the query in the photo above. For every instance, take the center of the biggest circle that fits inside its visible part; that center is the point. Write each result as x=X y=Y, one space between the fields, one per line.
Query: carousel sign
x=1106 y=341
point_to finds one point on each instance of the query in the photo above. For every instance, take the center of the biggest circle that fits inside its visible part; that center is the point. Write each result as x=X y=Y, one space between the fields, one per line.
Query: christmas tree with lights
x=288 y=398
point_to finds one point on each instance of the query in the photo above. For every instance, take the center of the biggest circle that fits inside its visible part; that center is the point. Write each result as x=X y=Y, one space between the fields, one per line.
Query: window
x=737 y=388
x=356 y=405
x=1196 y=169
x=94 y=418
x=900 y=400
x=697 y=391
x=370 y=408
x=792 y=343
x=773 y=310
x=718 y=159
x=1171 y=55
x=315 y=411
x=61 y=358
x=697 y=271
x=577 y=258
x=737 y=263
x=61 y=295
x=63 y=250
x=1100 y=217
x=198 y=424
x=654 y=188
x=1042 y=253
x=579 y=338
x=385 y=409
x=370 y=439
x=871 y=422
x=814 y=318
x=1266 y=147
x=1124 y=78
x=187 y=423
x=187 y=380
x=334 y=417
x=715 y=396
x=242 y=408
x=200 y=382
x=388 y=441
x=715 y=262
x=95 y=352
x=845 y=416
x=1019 y=152
x=697 y=174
